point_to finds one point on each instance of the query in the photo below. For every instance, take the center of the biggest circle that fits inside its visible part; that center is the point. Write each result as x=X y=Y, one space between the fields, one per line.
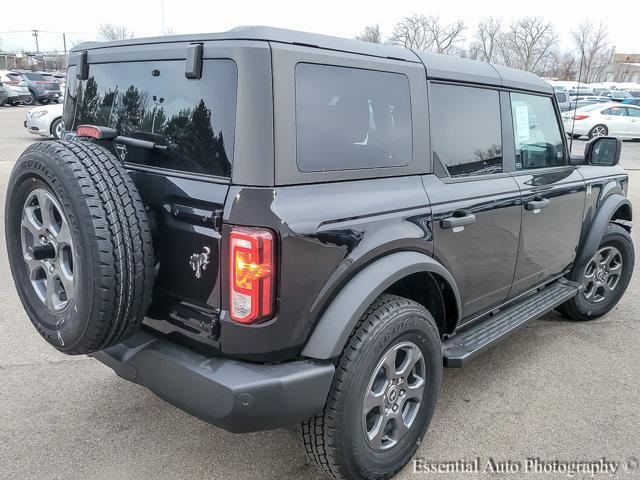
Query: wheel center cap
x=600 y=275
x=392 y=394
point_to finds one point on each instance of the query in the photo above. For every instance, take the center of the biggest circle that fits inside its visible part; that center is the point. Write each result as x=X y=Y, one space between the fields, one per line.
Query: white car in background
x=45 y=121
x=619 y=120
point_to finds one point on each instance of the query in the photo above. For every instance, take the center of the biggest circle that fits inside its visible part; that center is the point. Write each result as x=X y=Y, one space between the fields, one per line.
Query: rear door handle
x=458 y=220
x=537 y=204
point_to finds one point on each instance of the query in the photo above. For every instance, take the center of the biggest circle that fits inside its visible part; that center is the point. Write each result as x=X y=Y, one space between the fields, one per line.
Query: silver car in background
x=15 y=87
x=45 y=121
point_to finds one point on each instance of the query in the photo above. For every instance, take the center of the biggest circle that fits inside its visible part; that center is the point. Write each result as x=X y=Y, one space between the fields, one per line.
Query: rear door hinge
x=211 y=218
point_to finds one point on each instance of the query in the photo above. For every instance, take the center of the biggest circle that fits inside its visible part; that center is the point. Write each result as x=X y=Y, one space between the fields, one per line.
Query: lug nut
x=402 y=392
x=395 y=408
x=44 y=239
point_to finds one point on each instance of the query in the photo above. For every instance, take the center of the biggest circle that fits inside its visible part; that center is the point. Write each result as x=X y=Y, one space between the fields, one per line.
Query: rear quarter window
x=349 y=118
x=194 y=119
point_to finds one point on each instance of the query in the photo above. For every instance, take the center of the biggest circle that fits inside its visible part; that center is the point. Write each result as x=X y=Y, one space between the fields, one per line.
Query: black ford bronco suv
x=267 y=227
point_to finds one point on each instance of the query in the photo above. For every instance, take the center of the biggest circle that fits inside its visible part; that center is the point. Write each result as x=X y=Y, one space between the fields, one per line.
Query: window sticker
x=522 y=123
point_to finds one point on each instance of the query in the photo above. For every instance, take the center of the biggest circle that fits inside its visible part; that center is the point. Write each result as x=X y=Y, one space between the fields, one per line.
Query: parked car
x=564 y=100
x=581 y=90
x=616 y=95
x=43 y=88
x=600 y=120
x=578 y=102
x=268 y=227
x=3 y=95
x=45 y=121
x=15 y=87
x=631 y=101
x=635 y=93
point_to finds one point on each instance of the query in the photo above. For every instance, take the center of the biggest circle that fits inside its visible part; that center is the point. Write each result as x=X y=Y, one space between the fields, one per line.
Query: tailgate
x=185 y=216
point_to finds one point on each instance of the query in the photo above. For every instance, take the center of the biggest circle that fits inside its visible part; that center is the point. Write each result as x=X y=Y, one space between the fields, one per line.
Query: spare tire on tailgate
x=79 y=245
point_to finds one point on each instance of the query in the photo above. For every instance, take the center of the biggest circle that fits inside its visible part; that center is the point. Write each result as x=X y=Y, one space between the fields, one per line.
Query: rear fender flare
x=336 y=324
x=602 y=218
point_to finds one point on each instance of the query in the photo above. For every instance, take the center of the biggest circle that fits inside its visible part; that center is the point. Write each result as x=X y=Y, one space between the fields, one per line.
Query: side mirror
x=603 y=151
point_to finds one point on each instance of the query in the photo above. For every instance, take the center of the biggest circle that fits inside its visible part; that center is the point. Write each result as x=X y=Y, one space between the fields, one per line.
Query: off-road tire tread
x=119 y=228
x=319 y=433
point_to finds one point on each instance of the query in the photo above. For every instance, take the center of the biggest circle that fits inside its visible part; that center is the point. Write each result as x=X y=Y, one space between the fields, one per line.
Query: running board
x=457 y=350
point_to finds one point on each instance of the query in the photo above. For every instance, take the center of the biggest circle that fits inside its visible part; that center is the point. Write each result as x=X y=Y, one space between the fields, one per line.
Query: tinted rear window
x=194 y=119
x=562 y=97
x=348 y=118
x=36 y=77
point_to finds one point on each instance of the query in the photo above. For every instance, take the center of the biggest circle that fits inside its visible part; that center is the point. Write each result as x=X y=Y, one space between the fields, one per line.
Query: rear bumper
x=234 y=395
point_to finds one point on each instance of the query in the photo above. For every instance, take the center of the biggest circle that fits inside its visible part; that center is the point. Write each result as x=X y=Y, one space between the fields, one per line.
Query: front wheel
x=56 y=129
x=383 y=394
x=604 y=278
x=31 y=100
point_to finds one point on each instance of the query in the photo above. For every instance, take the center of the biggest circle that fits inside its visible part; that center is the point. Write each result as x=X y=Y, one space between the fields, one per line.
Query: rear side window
x=194 y=119
x=348 y=118
x=615 y=111
x=538 y=138
x=466 y=131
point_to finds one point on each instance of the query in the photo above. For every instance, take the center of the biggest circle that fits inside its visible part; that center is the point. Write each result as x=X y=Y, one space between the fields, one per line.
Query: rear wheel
x=79 y=245
x=598 y=131
x=604 y=278
x=383 y=395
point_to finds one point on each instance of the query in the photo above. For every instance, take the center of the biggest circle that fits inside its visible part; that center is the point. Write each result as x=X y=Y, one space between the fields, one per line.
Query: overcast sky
x=334 y=17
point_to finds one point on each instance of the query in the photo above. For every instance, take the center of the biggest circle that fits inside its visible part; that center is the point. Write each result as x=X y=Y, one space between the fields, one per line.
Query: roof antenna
x=573 y=126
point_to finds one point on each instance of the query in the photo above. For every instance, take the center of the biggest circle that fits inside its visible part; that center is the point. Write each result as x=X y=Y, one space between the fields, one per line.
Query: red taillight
x=580 y=117
x=251 y=274
x=89 y=131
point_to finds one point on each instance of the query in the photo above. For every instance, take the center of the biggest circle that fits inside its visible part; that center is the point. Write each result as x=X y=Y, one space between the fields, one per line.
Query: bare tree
x=593 y=48
x=562 y=66
x=485 y=45
x=371 y=33
x=528 y=44
x=427 y=33
x=411 y=32
x=444 y=38
x=109 y=32
x=167 y=32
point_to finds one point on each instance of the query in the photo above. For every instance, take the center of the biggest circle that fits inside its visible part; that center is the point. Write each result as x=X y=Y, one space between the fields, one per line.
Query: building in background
x=625 y=67
x=7 y=60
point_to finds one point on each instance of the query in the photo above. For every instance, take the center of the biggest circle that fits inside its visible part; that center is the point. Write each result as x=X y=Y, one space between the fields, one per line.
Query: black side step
x=457 y=350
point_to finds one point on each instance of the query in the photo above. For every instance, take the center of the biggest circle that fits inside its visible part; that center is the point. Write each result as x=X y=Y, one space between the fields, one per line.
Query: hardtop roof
x=438 y=66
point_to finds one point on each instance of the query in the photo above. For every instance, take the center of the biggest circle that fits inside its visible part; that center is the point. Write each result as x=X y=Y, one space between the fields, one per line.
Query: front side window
x=349 y=118
x=193 y=119
x=537 y=134
x=634 y=112
x=465 y=130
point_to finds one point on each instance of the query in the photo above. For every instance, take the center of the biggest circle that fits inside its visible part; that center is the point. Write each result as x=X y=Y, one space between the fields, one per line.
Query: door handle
x=537 y=204
x=458 y=219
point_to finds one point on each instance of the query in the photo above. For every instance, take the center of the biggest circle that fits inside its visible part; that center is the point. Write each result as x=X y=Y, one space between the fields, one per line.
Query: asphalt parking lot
x=555 y=391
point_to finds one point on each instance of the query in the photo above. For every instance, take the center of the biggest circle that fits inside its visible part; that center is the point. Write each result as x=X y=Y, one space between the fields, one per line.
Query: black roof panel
x=438 y=66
